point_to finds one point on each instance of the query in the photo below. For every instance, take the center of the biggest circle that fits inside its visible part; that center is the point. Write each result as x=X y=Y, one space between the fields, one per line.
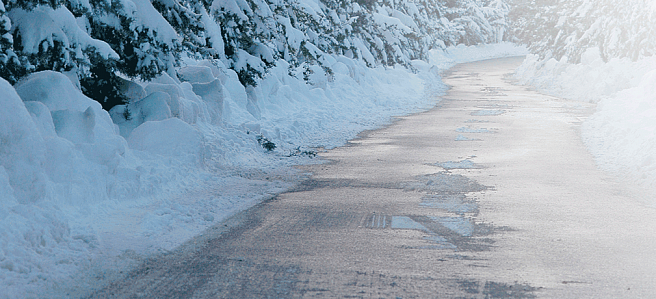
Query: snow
x=148 y=19
x=88 y=193
x=47 y=24
x=385 y=21
x=364 y=52
x=23 y=149
x=170 y=137
x=620 y=134
x=236 y=7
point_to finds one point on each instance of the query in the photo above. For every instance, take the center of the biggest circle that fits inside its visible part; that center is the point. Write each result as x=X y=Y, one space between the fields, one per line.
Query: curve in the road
x=490 y=195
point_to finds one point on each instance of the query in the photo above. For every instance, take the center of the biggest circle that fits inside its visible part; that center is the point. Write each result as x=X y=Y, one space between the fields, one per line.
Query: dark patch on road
x=444 y=182
x=454 y=203
x=457 y=233
x=377 y=221
x=493 y=289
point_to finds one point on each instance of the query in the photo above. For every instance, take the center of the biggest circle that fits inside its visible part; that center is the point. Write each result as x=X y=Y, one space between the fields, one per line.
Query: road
x=490 y=195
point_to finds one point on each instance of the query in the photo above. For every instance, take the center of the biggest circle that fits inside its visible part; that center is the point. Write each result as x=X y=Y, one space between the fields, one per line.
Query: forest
x=114 y=111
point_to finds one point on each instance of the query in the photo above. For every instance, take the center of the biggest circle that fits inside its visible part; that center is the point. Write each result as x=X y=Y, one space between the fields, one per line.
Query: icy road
x=490 y=195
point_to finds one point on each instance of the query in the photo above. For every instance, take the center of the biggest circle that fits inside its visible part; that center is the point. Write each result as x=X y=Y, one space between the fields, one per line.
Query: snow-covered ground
x=87 y=194
x=621 y=134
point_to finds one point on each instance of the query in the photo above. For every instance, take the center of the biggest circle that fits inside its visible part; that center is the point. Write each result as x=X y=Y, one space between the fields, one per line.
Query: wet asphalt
x=491 y=194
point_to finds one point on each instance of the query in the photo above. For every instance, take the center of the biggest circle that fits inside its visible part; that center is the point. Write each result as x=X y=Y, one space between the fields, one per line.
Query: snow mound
x=170 y=137
x=23 y=148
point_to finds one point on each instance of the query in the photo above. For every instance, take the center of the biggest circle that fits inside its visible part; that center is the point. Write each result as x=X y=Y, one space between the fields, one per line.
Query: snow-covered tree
x=103 y=40
x=189 y=19
x=559 y=28
x=8 y=60
x=145 y=42
x=45 y=36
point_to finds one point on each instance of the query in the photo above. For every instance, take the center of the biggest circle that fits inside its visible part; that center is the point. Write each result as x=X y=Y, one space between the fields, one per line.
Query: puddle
x=404 y=222
x=454 y=203
x=488 y=112
x=459 y=225
x=444 y=182
x=456 y=233
x=446 y=191
x=439 y=242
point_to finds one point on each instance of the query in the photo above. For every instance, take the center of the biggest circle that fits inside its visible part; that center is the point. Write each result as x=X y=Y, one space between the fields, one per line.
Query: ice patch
x=405 y=222
x=459 y=225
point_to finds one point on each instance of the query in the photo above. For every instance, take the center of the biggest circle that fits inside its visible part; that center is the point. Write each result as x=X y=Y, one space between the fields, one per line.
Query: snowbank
x=621 y=133
x=86 y=193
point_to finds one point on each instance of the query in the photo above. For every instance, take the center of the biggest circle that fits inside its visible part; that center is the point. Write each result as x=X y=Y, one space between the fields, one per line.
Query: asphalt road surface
x=490 y=195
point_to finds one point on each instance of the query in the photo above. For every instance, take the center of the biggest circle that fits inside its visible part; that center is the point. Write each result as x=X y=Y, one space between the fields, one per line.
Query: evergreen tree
x=186 y=18
x=559 y=28
x=9 y=64
x=46 y=36
x=146 y=43
x=103 y=40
